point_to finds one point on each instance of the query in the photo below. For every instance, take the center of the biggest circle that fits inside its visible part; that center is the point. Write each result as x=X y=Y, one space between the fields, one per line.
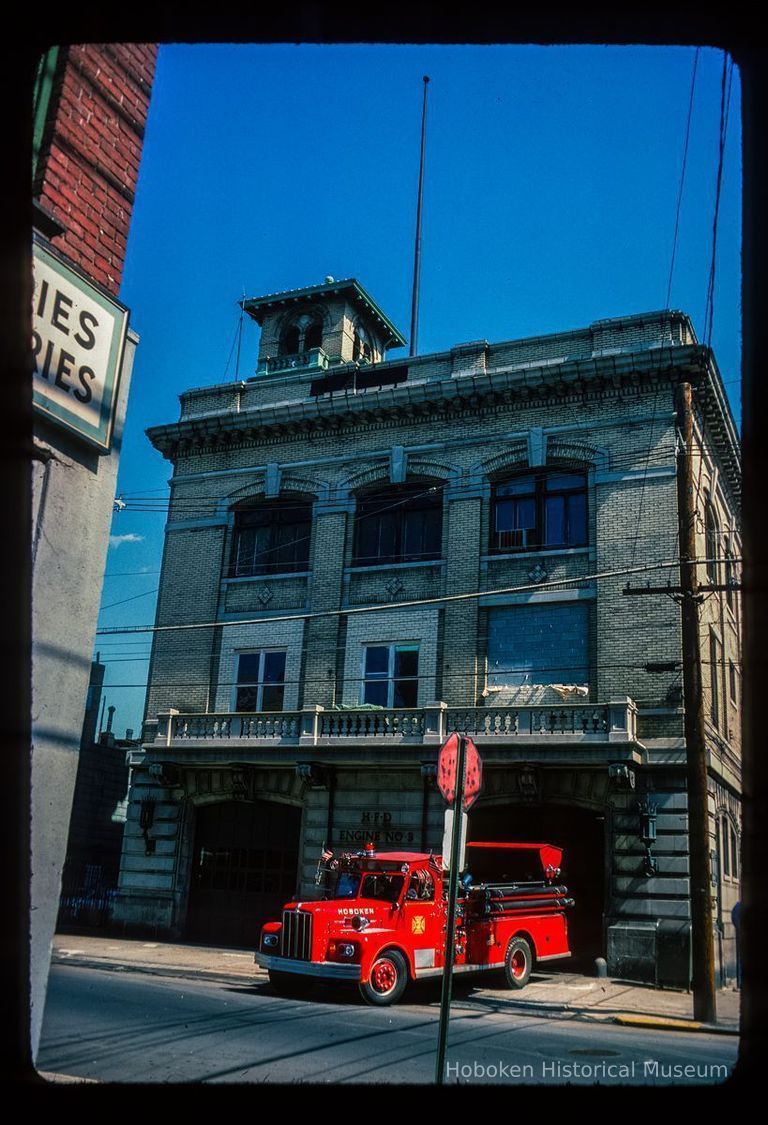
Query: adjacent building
x=91 y=103
x=363 y=554
x=89 y=879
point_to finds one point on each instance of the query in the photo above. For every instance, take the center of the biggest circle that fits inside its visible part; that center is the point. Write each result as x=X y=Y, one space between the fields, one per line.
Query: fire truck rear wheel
x=387 y=981
x=289 y=984
x=518 y=963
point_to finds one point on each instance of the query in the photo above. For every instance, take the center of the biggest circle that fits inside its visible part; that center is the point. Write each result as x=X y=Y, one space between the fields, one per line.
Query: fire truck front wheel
x=289 y=984
x=387 y=980
x=518 y=963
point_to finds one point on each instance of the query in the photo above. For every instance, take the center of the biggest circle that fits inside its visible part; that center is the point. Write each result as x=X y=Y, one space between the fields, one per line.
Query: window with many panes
x=399 y=525
x=271 y=538
x=539 y=510
x=260 y=680
x=391 y=675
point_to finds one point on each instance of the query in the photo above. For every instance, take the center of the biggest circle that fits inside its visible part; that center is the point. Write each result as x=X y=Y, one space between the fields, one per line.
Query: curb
x=548 y=1008
x=670 y=1023
x=187 y=972
x=51 y=1078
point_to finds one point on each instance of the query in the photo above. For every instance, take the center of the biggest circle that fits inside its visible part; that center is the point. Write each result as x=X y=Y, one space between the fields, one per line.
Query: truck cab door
x=423 y=919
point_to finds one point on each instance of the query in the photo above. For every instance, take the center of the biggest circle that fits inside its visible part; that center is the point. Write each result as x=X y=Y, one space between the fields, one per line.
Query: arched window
x=271 y=537
x=302 y=334
x=712 y=540
x=541 y=509
x=289 y=344
x=313 y=337
x=400 y=524
x=361 y=346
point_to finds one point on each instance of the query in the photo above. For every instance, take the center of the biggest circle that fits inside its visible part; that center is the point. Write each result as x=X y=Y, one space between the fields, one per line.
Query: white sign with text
x=78 y=335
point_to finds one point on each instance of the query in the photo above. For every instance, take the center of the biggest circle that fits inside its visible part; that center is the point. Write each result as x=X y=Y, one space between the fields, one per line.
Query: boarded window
x=538 y=644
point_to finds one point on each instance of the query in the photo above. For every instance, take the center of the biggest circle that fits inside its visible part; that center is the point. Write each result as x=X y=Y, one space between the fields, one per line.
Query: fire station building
x=368 y=553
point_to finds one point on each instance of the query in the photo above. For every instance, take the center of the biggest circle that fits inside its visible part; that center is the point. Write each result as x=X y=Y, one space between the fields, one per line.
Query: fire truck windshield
x=378 y=885
x=386 y=888
x=347 y=884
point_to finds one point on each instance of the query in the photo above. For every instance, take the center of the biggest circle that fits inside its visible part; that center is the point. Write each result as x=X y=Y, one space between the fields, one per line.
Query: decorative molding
x=560 y=449
x=514 y=457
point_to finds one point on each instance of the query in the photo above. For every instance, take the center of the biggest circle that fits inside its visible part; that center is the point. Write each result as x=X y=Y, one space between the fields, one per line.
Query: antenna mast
x=417 y=250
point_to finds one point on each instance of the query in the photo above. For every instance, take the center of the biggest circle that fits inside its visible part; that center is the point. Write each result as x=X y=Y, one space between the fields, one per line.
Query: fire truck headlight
x=346 y=949
x=269 y=940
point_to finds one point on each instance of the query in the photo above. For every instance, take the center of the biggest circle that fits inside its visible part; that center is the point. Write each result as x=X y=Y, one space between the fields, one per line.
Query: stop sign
x=446 y=771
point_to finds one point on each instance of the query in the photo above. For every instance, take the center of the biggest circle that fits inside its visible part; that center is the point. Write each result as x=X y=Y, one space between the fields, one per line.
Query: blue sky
x=551 y=188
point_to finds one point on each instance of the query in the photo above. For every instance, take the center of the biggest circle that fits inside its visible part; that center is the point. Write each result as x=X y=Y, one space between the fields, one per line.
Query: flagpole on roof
x=417 y=249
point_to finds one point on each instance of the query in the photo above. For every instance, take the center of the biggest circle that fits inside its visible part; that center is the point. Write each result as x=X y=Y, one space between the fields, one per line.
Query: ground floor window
x=391 y=675
x=260 y=680
x=728 y=848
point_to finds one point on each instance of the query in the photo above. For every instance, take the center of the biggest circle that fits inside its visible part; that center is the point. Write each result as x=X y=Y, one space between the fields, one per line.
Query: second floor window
x=712 y=542
x=271 y=539
x=260 y=681
x=391 y=675
x=540 y=510
x=399 y=525
x=730 y=575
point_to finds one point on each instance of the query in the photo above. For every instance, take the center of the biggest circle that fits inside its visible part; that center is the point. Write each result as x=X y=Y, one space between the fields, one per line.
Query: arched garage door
x=244 y=868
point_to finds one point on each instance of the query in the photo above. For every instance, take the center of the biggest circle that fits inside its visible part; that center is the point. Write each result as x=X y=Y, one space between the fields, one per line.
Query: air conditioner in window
x=518 y=538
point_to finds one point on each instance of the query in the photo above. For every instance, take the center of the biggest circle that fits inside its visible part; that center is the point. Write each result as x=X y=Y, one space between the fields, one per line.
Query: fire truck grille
x=296 y=936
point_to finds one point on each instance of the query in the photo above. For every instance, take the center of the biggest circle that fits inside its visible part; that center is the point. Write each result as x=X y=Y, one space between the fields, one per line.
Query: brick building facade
x=369 y=553
x=90 y=108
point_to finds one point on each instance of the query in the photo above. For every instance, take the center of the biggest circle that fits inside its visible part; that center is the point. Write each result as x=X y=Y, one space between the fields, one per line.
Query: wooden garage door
x=244 y=868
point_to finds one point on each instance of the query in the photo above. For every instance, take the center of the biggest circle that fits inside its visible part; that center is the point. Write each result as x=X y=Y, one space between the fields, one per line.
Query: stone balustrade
x=615 y=721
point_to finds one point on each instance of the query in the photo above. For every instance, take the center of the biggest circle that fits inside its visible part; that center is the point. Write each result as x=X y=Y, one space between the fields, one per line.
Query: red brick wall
x=91 y=150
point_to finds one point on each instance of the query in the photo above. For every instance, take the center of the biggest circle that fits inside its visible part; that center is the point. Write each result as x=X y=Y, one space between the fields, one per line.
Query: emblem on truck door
x=418 y=924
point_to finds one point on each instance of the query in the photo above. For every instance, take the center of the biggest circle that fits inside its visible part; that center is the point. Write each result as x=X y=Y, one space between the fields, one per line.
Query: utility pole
x=704 y=1004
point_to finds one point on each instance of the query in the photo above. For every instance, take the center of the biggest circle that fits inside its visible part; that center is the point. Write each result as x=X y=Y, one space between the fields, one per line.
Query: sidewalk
x=557 y=994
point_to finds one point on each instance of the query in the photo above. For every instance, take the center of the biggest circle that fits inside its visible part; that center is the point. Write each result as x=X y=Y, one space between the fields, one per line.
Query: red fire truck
x=383 y=921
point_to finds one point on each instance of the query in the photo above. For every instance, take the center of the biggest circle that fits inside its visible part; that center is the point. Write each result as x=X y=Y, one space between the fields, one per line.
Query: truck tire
x=289 y=984
x=518 y=963
x=389 y=976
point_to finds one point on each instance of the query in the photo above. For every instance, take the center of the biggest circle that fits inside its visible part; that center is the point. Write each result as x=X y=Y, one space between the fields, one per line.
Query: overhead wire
x=725 y=98
x=348 y=611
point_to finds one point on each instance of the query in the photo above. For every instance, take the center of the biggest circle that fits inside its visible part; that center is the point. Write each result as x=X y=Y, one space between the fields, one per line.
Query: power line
x=128 y=573
x=135 y=597
x=349 y=611
x=682 y=177
x=725 y=98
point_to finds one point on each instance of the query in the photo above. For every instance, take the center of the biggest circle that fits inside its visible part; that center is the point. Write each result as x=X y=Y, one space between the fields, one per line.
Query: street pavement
x=155 y=1029
x=556 y=994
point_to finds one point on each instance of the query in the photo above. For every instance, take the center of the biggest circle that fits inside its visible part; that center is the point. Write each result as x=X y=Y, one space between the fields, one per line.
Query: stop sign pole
x=453 y=883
